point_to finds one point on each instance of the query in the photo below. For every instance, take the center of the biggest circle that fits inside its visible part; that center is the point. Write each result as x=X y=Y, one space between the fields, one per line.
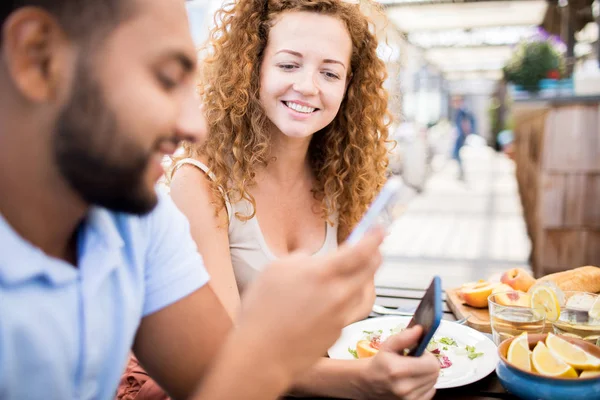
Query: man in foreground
x=93 y=261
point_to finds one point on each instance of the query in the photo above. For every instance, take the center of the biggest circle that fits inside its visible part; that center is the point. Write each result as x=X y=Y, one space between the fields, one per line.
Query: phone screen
x=380 y=211
x=428 y=315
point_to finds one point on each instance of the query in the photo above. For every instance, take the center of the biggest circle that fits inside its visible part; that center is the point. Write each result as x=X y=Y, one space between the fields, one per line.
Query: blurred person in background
x=464 y=122
x=93 y=260
x=296 y=151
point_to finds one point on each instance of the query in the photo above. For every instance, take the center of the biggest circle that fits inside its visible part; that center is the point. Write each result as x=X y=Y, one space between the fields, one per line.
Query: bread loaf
x=586 y=279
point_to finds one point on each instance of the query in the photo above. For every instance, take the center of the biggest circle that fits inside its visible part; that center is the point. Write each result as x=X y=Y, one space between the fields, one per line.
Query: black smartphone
x=428 y=315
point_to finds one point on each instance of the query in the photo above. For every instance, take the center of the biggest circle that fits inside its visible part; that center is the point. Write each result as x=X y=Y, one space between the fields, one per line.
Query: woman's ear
x=348 y=80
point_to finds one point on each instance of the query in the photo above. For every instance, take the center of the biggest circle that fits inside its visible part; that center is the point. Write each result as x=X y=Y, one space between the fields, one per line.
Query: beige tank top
x=247 y=246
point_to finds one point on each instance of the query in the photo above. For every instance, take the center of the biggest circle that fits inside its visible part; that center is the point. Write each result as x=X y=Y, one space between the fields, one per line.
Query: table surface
x=407 y=299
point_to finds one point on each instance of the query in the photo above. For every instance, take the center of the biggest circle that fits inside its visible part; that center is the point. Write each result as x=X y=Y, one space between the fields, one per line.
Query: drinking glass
x=575 y=321
x=508 y=320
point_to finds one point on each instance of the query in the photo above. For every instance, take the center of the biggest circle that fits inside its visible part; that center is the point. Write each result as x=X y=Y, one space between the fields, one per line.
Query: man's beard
x=97 y=159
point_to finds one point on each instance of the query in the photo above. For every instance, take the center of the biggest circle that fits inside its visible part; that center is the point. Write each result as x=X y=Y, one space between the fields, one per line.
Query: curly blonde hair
x=348 y=158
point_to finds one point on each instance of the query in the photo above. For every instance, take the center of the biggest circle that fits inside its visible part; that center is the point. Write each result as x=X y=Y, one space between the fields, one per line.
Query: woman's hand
x=390 y=375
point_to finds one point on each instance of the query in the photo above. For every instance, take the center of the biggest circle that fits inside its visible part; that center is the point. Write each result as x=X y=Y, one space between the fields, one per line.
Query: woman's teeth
x=299 y=108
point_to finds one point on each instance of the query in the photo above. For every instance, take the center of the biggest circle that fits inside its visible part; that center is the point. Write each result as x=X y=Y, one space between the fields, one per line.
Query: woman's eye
x=331 y=75
x=287 y=67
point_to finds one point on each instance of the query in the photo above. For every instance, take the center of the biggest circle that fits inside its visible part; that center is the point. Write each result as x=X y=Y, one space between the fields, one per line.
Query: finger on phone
x=404 y=340
x=353 y=257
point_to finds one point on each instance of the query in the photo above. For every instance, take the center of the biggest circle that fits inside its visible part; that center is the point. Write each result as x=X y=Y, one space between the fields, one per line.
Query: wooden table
x=407 y=299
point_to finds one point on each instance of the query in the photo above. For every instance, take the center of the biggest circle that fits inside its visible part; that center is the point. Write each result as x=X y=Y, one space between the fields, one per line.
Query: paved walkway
x=461 y=231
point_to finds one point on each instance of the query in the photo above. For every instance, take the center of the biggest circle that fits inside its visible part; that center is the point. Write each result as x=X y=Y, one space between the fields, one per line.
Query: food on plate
x=369 y=345
x=441 y=347
x=584 y=279
x=366 y=349
x=476 y=294
x=518 y=279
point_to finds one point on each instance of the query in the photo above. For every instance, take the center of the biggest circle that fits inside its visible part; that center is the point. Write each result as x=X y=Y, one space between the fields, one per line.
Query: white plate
x=463 y=370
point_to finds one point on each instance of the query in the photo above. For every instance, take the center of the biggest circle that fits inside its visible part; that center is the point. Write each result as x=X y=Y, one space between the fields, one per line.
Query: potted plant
x=535 y=60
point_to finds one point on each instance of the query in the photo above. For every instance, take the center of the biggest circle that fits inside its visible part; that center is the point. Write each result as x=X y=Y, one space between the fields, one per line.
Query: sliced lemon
x=547 y=364
x=594 y=312
x=589 y=374
x=573 y=355
x=519 y=353
x=544 y=298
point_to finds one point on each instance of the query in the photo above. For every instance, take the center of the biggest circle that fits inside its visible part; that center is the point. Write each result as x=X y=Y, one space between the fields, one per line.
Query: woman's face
x=304 y=72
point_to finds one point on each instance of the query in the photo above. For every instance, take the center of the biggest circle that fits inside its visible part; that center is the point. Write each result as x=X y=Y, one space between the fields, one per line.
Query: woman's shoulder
x=190 y=184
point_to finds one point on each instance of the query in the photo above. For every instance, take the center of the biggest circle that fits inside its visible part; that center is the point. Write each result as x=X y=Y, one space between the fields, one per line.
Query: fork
x=377 y=309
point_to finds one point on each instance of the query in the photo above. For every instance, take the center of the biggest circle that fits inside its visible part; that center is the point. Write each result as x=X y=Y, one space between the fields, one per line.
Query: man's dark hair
x=81 y=19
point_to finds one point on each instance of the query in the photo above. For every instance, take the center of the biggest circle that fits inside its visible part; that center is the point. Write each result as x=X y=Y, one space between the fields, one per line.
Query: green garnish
x=448 y=341
x=473 y=356
x=472 y=352
x=353 y=352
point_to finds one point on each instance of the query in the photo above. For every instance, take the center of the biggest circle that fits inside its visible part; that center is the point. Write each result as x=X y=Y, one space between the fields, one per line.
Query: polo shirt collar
x=20 y=261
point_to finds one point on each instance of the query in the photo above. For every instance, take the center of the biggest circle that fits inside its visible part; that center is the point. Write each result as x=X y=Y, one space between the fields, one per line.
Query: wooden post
x=567 y=33
x=598 y=41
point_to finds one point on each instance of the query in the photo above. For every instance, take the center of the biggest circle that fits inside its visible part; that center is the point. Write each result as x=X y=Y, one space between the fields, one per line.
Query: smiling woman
x=346 y=136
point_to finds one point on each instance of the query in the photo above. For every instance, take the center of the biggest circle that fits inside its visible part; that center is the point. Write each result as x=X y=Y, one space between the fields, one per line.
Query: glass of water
x=509 y=316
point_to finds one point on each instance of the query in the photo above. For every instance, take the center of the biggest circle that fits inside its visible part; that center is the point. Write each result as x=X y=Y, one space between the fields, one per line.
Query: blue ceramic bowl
x=530 y=386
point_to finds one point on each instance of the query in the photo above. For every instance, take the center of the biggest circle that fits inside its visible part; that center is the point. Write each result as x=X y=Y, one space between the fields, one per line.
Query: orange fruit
x=365 y=350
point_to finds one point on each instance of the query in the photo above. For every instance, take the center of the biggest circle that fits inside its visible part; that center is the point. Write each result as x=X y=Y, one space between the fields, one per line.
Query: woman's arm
x=191 y=192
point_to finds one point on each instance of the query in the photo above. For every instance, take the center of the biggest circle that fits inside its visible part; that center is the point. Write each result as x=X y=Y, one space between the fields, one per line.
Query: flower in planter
x=553 y=74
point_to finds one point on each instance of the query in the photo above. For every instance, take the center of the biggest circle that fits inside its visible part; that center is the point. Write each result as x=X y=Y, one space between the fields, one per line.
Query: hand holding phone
x=428 y=315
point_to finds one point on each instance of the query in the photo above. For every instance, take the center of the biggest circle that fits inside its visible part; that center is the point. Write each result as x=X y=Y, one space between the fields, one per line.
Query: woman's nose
x=306 y=84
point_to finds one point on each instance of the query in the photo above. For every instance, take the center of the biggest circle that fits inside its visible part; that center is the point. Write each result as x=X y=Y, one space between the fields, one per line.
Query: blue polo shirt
x=65 y=332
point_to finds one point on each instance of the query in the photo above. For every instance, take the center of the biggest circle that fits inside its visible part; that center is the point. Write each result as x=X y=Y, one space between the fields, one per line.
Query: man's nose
x=192 y=125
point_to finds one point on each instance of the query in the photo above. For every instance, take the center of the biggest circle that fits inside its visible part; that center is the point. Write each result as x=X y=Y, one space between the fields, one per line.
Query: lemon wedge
x=573 y=355
x=519 y=353
x=544 y=298
x=594 y=311
x=547 y=364
x=589 y=374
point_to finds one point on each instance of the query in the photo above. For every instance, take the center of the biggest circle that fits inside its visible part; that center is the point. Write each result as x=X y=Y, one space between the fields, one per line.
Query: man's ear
x=36 y=53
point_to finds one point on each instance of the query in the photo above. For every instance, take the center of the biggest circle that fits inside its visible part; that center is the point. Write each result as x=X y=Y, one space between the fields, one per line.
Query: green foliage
x=531 y=62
